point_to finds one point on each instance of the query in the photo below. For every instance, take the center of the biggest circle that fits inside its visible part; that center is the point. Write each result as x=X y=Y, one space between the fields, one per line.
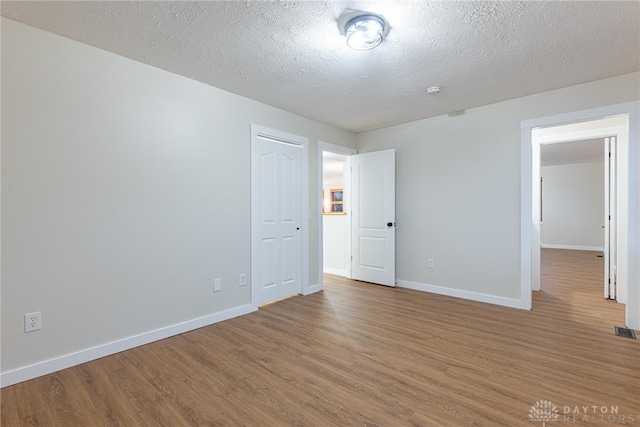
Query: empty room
x=175 y=252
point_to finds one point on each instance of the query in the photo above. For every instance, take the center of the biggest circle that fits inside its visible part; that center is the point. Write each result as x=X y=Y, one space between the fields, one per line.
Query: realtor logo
x=543 y=410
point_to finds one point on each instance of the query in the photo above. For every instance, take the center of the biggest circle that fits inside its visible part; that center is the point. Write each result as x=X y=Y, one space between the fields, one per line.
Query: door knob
x=389 y=224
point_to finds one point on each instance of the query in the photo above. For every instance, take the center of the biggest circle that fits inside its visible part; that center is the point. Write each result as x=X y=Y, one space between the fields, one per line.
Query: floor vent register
x=625 y=332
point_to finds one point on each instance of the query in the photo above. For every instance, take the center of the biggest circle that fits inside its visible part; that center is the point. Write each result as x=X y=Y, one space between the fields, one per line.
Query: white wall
x=335 y=230
x=573 y=206
x=458 y=189
x=335 y=244
x=125 y=192
x=335 y=235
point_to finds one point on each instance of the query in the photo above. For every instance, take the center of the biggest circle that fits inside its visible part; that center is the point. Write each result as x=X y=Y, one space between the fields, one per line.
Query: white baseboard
x=72 y=359
x=335 y=271
x=572 y=247
x=473 y=296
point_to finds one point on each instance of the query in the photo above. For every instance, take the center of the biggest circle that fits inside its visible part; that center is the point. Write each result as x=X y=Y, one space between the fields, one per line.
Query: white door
x=610 y=223
x=373 y=217
x=276 y=218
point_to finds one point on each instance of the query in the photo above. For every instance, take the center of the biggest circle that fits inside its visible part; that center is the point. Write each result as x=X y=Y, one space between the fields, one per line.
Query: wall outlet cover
x=32 y=322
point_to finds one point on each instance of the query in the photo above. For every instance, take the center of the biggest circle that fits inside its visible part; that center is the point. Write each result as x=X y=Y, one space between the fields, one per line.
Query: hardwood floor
x=361 y=354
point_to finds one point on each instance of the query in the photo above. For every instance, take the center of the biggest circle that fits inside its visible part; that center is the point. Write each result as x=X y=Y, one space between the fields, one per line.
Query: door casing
x=630 y=248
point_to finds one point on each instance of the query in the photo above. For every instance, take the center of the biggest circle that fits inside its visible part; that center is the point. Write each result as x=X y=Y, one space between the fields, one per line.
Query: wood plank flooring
x=366 y=355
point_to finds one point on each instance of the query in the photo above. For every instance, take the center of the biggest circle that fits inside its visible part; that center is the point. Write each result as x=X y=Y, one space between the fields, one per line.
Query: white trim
x=608 y=219
x=630 y=249
x=458 y=293
x=526 y=223
x=72 y=359
x=572 y=247
x=335 y=271
x=339 y=149
x=305 y=212
x=312 y=289
x=578 y=135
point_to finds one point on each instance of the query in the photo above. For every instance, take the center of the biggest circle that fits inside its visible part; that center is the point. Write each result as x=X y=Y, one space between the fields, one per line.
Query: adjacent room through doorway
x=335 y=218
x=577 y=224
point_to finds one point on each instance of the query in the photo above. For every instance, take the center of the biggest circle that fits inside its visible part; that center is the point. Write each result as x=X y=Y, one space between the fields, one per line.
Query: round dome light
x=364 y=32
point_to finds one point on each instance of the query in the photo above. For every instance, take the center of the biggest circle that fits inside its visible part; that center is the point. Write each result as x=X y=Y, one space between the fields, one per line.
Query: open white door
x=275 y=215
x=373 y=197
x=610 y=223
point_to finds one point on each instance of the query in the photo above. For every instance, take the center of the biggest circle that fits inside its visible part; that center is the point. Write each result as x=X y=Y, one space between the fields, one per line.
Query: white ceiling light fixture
x=363 y=30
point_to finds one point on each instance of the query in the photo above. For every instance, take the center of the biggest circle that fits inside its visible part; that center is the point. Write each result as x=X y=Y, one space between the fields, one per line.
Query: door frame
x=348 y=152
x=611 y=218
x=630 y=250
x=303 y=142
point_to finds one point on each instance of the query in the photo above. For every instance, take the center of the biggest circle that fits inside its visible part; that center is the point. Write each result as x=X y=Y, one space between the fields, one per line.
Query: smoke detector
x=433 y=90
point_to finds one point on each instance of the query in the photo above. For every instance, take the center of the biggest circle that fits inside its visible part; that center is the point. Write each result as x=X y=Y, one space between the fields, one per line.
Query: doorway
x=578 y=195
x=573 y=157
x=336 y=198
x=627 y=215
x=367 y=211
x=335 y=220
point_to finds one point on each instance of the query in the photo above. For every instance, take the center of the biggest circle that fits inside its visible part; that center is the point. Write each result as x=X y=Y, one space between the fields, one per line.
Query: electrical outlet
x=217 y=285
x=431 y=263
x=32 y=322
x=242 y=279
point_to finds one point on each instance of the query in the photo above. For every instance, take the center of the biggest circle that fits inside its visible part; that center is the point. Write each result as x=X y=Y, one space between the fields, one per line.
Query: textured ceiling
x=290 y=54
